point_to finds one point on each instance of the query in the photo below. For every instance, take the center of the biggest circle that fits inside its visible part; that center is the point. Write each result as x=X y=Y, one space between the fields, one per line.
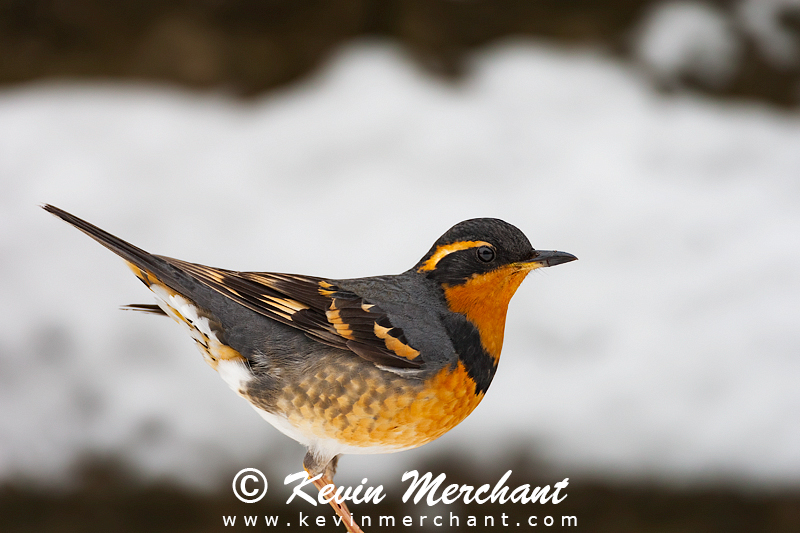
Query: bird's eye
x=485 y=254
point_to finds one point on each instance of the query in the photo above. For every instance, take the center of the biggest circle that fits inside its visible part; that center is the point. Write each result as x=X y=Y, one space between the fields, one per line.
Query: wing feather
x=315 y=306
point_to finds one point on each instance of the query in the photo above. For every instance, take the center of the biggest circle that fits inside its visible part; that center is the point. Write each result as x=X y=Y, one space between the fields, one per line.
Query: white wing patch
x=235 y=373
x=229 y=363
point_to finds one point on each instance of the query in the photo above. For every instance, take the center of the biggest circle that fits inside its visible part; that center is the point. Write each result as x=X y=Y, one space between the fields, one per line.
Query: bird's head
x=479 y=264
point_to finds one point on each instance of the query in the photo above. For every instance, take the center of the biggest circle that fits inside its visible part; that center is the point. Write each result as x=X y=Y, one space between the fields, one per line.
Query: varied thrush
x=364 y=365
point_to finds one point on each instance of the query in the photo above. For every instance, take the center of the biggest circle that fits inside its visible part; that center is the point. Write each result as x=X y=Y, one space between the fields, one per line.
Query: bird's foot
x=340 y=508
x=313 y=467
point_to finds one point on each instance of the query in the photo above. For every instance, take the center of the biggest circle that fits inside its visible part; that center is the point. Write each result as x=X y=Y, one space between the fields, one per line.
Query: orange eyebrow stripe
x=447 y=249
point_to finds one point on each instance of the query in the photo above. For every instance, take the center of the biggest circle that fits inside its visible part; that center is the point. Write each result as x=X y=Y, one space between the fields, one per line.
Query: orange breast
x=484 y=299
x=427 y=413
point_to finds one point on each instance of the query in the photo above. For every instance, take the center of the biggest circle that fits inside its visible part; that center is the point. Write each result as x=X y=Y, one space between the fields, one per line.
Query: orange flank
x=379 y=411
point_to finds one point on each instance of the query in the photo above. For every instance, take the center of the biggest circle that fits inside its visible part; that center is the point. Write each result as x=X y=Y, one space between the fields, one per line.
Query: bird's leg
x=313 y=468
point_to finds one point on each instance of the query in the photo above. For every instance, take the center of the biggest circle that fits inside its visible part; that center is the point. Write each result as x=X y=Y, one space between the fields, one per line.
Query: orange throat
x=484 y=299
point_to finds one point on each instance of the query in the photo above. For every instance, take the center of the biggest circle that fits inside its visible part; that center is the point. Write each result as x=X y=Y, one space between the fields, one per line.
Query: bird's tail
x=179 y=296
x=146 y=266
x=124 y=249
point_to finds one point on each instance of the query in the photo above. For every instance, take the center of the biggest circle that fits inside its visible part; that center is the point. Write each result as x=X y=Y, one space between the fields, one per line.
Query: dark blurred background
x=243 y=49
x=251 y=46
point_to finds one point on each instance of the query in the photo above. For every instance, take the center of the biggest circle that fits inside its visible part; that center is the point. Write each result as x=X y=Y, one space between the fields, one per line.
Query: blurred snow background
x=671 y=350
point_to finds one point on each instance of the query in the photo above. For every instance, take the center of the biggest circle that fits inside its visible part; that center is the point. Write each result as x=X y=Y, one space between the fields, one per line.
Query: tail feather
x=180 y=296
x=120 y=247
x=145 y=308
x=142 y=260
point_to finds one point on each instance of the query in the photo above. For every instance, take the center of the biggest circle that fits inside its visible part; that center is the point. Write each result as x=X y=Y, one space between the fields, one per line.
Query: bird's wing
x=315 y=306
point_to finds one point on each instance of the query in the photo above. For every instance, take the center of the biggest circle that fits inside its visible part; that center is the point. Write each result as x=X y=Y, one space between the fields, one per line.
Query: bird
x=368 y=365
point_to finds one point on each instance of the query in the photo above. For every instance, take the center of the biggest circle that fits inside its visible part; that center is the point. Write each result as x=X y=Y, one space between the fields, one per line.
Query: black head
x=481 y=245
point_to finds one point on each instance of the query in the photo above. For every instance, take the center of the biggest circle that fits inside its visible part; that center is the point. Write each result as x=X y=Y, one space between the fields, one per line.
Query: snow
x=671 y=350
x=694 y=39
x=762 y=20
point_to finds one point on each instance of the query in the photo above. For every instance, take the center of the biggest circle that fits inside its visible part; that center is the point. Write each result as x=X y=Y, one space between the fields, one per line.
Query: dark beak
x=548 y=258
